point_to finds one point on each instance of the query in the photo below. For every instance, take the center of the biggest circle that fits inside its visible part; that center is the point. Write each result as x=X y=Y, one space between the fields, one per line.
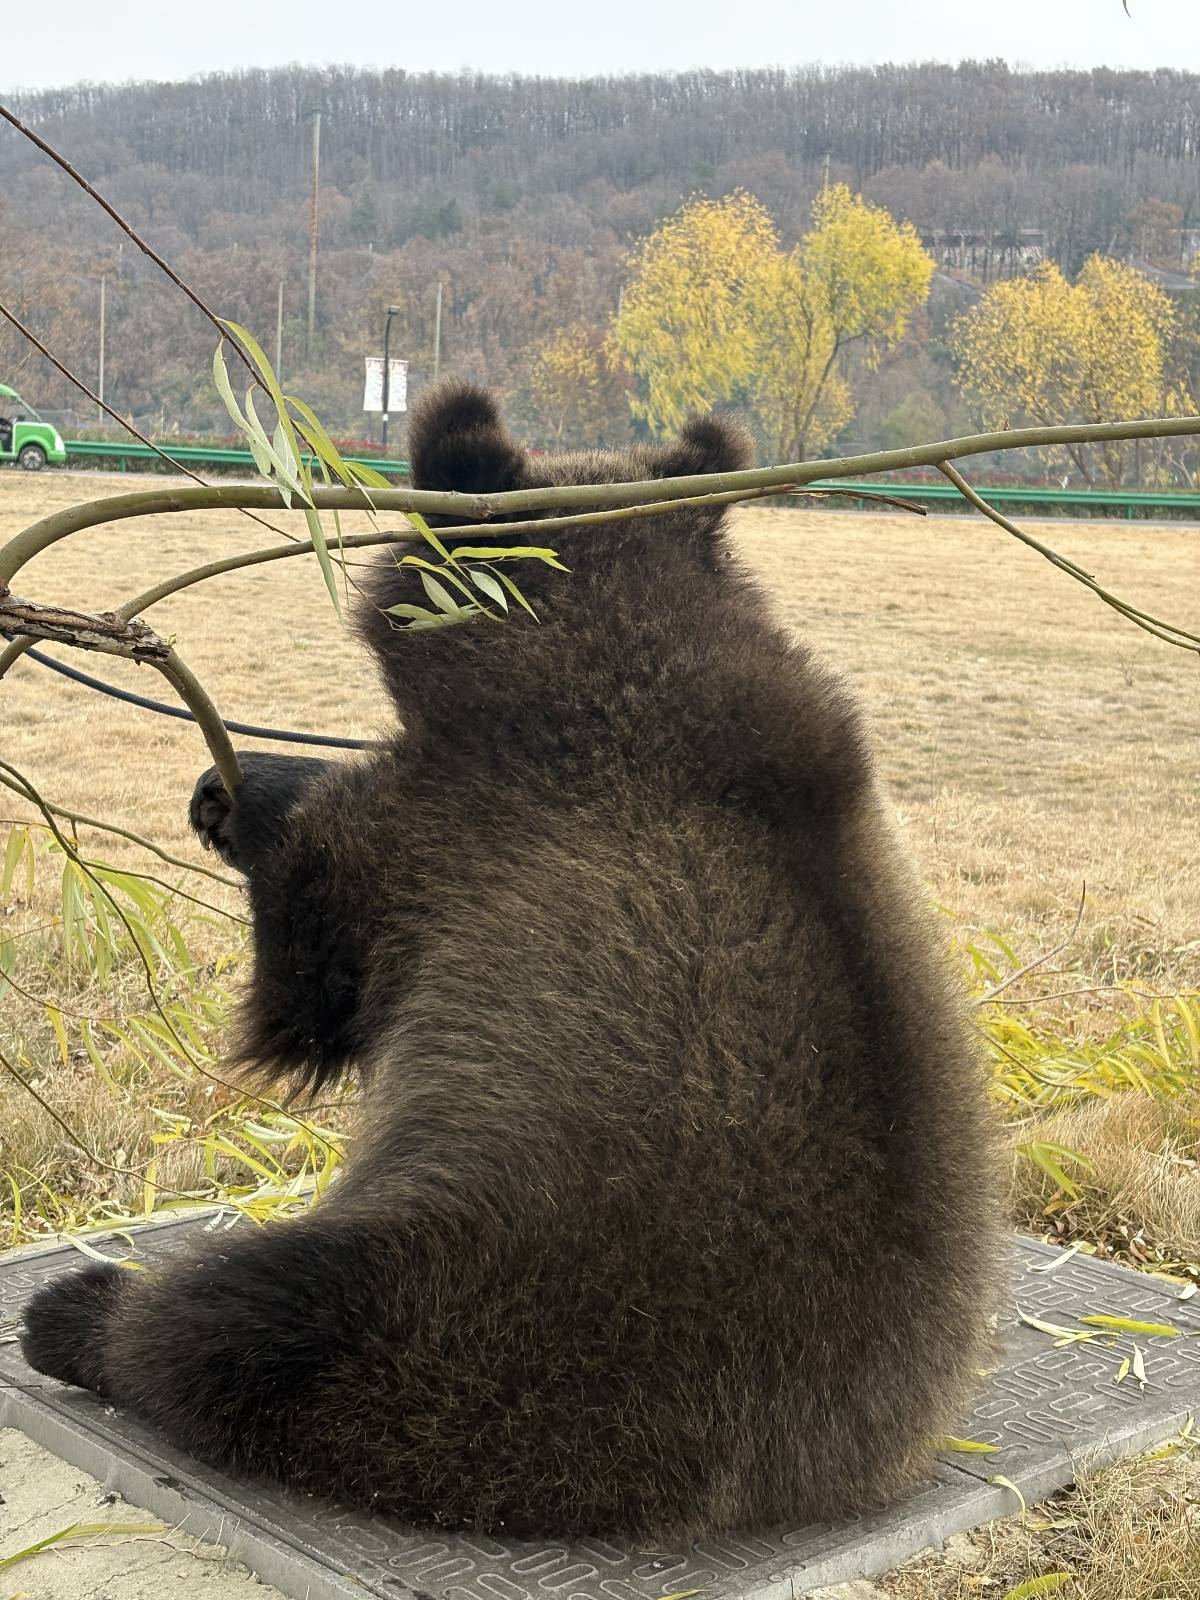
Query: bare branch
x=127 y=229
x=37 y=344
x=1166 y=631
x=1039 y=961
x=109 y=633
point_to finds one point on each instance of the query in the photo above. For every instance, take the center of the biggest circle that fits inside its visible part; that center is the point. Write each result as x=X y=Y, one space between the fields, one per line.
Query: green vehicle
x=24 y=437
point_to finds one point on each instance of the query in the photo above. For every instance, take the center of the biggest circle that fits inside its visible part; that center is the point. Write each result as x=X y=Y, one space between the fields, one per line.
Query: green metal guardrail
x=194 y=455
x=1127 y=500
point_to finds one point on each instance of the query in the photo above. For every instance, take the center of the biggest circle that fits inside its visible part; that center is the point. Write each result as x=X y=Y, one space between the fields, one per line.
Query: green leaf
x=490 y=585
x=1006 y=1483
x=1048 y=1583
x=317 y=534
x=965 y=1446
x=225 y=388
x=519 y=552
x=516 y=594
x=367 y=476
x=1161 y=1330
x=441 y=596
x=19 y=841
x=322 y=445
x=427 y=533
x=414 y=613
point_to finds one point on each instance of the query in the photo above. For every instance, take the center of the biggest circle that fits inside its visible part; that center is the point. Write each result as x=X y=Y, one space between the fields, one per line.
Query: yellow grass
x=1032 y=740
x=1131 y=1532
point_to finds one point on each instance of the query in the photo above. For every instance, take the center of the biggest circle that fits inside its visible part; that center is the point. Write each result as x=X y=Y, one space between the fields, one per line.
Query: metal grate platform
x=1046 y=1409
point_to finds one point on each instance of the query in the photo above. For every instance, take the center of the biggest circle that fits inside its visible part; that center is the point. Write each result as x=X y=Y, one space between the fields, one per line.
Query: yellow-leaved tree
x=854 y=281
x=716 y=311
x=686 y=328
x=573 y=391
x=1043 y=351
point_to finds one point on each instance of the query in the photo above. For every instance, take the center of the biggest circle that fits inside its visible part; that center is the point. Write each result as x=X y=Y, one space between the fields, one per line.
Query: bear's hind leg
x=228 y=1350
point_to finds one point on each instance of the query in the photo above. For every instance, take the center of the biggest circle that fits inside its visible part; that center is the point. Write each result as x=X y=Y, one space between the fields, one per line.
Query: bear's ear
x=707 y=444
x=457 y=442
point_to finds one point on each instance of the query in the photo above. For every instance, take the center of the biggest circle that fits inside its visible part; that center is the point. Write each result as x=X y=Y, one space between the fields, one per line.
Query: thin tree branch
x=79 y=819
x=360 y=541
x=1039 y=961
x=129 y=231
x=72 y=377
x=37 y=344
x=108 y=633
x=216 y=736
x=118 y=910
x=631 y=497
x=1166 y=631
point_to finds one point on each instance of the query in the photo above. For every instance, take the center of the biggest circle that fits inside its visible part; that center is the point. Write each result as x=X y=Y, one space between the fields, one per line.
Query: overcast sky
x=64 y=41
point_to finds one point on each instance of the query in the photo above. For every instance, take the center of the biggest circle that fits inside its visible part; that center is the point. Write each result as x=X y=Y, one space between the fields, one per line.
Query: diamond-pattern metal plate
x=1045 y=1410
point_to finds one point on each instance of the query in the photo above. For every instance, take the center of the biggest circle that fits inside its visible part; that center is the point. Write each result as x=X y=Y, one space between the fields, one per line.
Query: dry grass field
x=1032 y=741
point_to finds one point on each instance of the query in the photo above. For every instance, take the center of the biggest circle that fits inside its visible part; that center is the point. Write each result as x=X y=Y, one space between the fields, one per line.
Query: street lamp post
x=392 y=311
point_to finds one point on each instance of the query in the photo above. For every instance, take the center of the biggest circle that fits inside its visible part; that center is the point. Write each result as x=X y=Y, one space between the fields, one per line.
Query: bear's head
x=457 y=442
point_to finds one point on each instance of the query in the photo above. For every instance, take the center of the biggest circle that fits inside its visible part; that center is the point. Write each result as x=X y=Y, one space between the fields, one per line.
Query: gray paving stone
x=1045 y=1410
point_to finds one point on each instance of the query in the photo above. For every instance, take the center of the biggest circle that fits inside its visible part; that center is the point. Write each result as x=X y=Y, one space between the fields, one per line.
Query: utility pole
x=437 y=334
x=279 y=333
x=103 y=308
x=392 y=311
x=313 y=229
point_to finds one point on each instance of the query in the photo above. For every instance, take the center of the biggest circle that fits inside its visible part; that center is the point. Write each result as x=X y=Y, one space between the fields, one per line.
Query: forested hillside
x=524 y=197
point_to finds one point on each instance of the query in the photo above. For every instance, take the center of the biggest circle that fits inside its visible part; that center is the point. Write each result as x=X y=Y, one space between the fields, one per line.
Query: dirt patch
x=41 y=1495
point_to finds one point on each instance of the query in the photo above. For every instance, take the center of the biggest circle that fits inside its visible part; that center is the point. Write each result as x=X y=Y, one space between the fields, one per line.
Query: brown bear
x=670 y=1207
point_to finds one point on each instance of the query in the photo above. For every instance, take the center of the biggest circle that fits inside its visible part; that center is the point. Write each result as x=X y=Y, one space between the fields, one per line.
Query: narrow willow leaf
x=1002 y=1482
x=1067 y=1335
x=1061 y=1259
x=520 y=552
x=368 y=477
x=1162 y=1330
x=427 y=533
x=965 y=1446
x=440 y=595
x=317 y=534
x=19 y=840
x=516 y=594
x=60 y=1033
x=81 y=1530
x=414 y=613
x=490 y=585
x=1139 y=1367
x=225 y=388
x=1122 y=1371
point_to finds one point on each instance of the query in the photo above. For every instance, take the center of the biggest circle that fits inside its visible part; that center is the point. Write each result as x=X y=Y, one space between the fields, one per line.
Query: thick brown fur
x=671 y=1206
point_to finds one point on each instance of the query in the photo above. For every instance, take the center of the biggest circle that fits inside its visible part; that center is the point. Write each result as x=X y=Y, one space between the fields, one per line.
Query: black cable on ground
x=326 y=739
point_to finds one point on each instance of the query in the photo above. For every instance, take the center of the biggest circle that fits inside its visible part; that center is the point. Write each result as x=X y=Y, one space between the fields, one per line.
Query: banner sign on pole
x=397 y=385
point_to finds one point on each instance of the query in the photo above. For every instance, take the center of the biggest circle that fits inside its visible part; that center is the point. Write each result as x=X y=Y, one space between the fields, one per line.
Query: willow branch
x=406 y=535
x=136 y=641
x=108 y=633
x=193 y=694
x=1166 y=631
x=19 y=786
x=127 y=229
x=470 y=508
